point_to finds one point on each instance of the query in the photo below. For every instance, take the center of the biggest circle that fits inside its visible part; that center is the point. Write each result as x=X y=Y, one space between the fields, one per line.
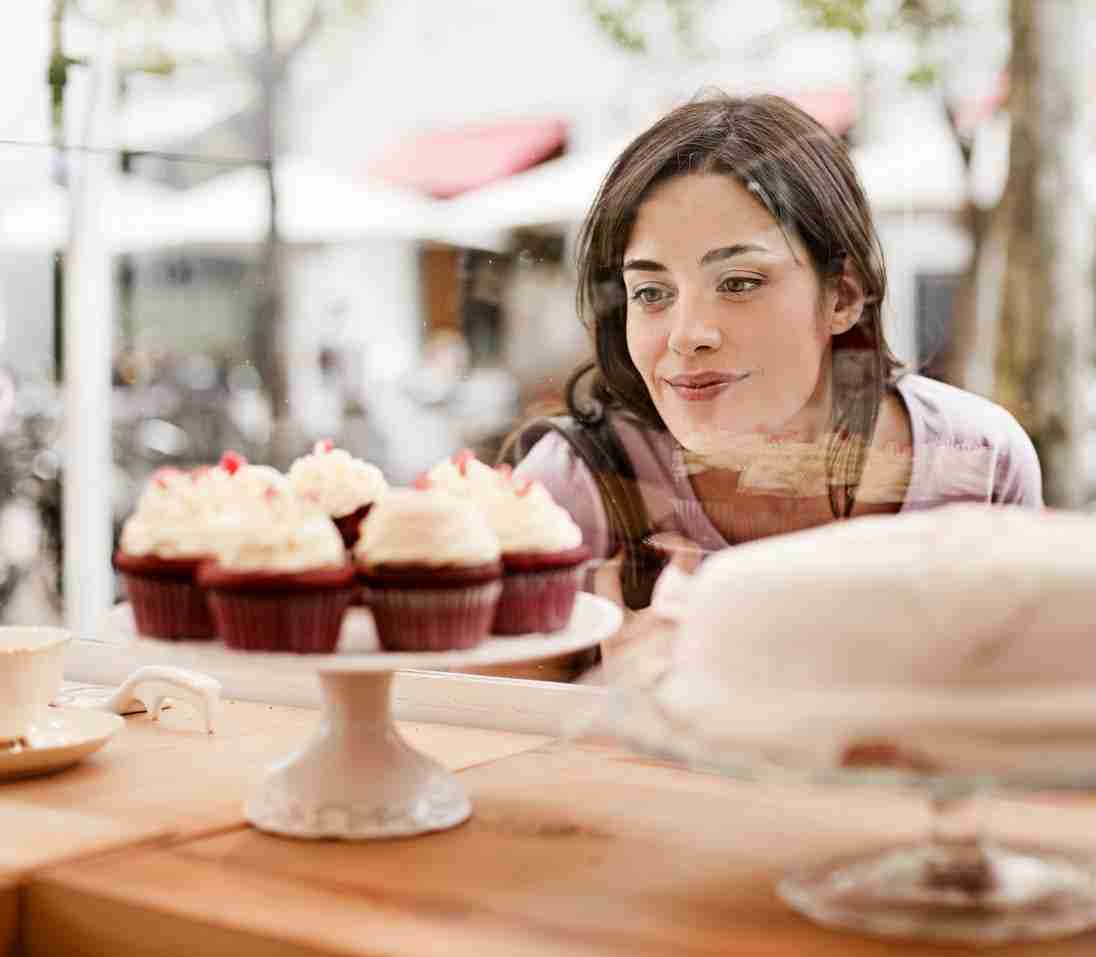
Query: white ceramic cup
x=31 y=668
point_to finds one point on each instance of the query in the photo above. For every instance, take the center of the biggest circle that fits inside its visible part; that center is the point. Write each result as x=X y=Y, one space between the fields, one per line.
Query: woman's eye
x=647 y=295
x=739 y=284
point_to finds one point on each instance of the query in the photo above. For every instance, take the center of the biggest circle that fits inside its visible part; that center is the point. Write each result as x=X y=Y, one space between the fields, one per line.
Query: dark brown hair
x=803 y=176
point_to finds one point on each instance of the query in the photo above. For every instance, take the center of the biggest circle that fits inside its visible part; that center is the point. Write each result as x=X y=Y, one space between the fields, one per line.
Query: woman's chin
x=708 y=437
x=713 y=429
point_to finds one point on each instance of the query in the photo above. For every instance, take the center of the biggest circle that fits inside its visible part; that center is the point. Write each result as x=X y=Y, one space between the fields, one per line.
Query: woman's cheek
x=642 y=351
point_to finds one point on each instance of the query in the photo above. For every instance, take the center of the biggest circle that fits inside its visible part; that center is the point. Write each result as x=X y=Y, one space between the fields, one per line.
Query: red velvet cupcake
x=340 y=485
x=166 y=599
x=279 y=580
x=429 y=567
x=543 y=556
x=271 y=611
x=543 y=559
x=163 y=543
x=538 y=590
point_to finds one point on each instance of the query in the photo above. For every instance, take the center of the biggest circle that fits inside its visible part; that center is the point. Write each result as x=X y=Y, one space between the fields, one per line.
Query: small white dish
x=59 y=738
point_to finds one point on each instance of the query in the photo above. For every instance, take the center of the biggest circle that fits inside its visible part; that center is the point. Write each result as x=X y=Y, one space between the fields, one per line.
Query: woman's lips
x=703 y=386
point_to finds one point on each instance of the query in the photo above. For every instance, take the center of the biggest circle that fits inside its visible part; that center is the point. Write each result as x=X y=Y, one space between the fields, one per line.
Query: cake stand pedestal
x=357 y=778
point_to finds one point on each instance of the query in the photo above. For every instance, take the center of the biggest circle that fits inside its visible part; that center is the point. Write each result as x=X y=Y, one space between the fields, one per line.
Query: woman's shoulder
x=956 y=413
x=952 y=420
x=619 y=441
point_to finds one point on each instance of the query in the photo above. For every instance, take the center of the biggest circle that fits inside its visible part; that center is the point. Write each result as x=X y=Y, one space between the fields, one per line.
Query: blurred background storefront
x=251 y=224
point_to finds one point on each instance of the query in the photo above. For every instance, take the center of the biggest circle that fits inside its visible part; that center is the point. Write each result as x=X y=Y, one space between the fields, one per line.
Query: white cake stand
x=357 y=778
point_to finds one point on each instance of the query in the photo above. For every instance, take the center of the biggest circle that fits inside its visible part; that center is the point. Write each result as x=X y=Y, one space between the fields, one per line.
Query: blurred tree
x=269 y=64
x=264 y=37
x=1041 y=361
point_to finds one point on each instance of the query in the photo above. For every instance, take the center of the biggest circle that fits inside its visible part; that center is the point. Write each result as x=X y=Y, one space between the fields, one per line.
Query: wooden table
x=165 y=781
x=572 y=849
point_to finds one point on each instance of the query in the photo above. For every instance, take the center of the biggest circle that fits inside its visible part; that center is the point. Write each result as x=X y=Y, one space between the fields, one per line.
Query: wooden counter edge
x=160 y=897
x=9 y=918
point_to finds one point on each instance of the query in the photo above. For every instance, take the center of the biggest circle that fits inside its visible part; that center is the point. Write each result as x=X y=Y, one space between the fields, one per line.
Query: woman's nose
x=693 y=332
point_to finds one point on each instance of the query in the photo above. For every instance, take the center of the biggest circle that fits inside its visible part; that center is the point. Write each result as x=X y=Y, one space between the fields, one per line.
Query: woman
x=733 y=282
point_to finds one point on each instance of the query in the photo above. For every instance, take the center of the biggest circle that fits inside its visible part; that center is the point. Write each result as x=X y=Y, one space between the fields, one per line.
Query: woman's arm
x=1019 y=476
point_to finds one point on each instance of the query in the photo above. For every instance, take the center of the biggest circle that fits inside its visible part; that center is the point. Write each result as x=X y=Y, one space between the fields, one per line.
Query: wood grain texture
x=9 y=919
x=572 y=849
x=168 y=779
x=162 y=781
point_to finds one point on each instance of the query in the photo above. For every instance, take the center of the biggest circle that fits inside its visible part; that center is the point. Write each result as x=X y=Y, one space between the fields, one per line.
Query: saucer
x=58 y=739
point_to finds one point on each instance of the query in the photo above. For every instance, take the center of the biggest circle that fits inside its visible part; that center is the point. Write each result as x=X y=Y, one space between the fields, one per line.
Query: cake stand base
x=357 y=778
x=999 y=894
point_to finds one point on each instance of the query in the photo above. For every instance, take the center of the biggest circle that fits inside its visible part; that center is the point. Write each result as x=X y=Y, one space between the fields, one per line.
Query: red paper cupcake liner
x=432 y=619
x=537 y=601
x=169 y=608
x=302 y=621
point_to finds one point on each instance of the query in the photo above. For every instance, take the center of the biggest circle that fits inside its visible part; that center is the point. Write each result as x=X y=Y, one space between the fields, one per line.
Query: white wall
x=362 y=296
x=915 y=243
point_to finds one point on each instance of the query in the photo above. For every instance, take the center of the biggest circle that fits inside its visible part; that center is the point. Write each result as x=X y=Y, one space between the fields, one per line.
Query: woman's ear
x=846 y=301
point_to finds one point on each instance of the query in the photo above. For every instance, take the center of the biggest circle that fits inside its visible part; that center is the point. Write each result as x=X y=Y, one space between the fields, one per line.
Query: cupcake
x=279 y=579
x=543 y=558
x=234 y=479
x=163 y=542
x=429 y=564
x=466 y=476
x=341 y=486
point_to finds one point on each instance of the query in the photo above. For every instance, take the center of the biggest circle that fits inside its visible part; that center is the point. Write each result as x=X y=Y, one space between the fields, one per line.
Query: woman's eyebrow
x=729 y=252
x=643 y=265
x=711 y=256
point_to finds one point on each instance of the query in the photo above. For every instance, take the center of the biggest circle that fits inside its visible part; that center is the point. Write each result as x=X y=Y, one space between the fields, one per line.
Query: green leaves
x=621 y=21
x=926 y=75
x=859 y=17
x=850 y=15
x=617 y=21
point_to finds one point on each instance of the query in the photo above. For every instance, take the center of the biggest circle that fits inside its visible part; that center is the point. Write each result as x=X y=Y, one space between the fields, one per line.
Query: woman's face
x=727 y=324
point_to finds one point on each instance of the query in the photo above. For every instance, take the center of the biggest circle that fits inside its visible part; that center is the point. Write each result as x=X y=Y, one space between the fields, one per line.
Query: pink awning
x=835 y=109
x=448 y=163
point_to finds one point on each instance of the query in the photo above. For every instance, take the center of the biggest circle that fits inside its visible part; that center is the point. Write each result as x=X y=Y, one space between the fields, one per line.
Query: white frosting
x=467 y=477
x=169 y=520
x=336 y=481
x=277 y=532
x=254 y=480
x=527 y=519
x=920 y=628
x=524 y=517
x=224 y=490
x=431 y=527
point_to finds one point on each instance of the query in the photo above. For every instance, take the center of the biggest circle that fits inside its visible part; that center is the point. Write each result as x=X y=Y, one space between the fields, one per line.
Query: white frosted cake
x=934 y=630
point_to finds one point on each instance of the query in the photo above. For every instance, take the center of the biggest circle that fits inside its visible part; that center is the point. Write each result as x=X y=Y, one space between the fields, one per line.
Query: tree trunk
x=1042 y=360
x=269 y=334
x=962 y=340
